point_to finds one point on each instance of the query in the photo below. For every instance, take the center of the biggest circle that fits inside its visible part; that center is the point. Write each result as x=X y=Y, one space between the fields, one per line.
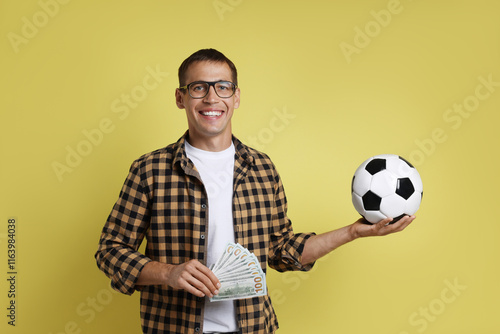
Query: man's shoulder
x=165 y=156
x=166 y=152
x=259 y=158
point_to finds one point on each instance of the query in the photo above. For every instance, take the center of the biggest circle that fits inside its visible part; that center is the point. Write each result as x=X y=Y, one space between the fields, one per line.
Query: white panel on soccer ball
x=357 y=201
x=374 y=216
x=416 y=181
x=384 y=183
x=393 y=206
x=361 y=182
x=392 y=163
x=413 y=203
x=399 y=167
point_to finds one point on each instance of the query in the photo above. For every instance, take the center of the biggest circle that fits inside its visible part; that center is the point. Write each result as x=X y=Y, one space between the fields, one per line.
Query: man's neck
x=211 y=144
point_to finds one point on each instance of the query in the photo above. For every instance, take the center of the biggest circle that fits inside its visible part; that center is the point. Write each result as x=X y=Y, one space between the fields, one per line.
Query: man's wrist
x=352 y=233
x=155 y=273
x=165 y=272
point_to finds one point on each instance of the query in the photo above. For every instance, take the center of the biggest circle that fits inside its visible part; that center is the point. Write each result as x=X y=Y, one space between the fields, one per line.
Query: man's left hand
x=361 y=229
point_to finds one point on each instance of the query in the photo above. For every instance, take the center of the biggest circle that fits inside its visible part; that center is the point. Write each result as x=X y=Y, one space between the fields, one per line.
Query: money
x=239 y=273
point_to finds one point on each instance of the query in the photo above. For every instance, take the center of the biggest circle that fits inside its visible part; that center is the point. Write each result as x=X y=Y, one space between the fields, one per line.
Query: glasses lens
x=198 y=89
x=224 y=88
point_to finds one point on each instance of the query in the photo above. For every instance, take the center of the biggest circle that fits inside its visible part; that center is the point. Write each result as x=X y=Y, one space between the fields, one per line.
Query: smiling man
x=194 y=196
x=209 y=94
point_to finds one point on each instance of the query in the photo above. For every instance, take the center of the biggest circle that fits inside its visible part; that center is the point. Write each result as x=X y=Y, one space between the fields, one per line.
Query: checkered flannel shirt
x=164 y=200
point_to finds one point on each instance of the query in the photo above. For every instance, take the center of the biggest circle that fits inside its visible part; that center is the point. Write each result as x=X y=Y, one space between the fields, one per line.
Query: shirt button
x=197 y=329
x=202 y=236
x=203 y=206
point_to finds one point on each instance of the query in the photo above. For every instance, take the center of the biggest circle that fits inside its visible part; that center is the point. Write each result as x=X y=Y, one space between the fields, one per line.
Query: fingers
x=405 y=221
x=195 y=278
x=384 y=222
x=385 y=227
x=204 y=280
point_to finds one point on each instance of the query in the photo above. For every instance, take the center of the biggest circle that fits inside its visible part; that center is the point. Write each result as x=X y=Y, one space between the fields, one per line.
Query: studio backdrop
x=88 y=86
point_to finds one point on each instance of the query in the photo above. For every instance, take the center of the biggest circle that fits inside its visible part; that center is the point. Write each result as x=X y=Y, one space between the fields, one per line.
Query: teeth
x=211 y=113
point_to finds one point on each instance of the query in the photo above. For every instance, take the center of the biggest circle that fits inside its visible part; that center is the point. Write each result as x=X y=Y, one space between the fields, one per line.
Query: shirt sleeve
x=117 y=254
x=285 y=247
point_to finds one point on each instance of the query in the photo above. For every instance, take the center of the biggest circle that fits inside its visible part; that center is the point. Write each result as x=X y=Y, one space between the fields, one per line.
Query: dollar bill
x=239 y=273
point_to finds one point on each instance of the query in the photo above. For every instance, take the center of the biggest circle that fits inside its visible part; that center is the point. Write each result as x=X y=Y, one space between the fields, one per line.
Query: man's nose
x=211 y=96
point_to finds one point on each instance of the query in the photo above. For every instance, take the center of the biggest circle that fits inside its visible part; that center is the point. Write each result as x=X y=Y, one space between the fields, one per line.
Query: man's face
x=210 y=116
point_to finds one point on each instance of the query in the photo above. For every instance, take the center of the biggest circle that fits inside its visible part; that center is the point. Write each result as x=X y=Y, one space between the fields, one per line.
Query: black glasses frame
x=210 y=84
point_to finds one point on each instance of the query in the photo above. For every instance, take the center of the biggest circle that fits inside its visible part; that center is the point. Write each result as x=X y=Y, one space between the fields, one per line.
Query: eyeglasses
x=199 y=89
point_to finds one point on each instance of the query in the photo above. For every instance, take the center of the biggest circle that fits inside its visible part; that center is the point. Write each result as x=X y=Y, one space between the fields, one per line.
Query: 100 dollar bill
x=240 y=288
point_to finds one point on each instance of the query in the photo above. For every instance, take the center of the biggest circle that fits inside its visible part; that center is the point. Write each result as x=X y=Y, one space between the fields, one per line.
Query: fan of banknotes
x=239 y=273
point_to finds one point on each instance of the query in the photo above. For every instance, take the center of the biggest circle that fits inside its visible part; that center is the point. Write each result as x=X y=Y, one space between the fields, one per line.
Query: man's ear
x=179 y=99
x=237 y=98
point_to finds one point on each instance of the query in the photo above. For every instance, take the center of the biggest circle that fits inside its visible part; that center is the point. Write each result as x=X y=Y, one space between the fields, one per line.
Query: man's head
x=209 y=55
x=209 y=98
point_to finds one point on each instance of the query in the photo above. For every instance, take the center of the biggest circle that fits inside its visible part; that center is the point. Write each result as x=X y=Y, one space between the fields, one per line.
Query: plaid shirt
x=164 y=200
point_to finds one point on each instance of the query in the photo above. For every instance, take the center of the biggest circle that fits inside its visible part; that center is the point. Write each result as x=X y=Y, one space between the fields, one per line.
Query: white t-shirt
x=216 y=171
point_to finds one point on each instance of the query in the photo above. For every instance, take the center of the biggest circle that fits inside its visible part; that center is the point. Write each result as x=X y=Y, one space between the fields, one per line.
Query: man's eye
x=198 y=88
x=223 y=86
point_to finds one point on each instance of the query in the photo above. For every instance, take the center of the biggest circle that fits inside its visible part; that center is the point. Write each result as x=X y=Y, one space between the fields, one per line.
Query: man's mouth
x=213 y=113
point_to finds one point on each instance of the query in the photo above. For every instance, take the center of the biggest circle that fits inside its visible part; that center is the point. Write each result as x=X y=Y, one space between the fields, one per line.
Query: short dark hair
x=210 y=55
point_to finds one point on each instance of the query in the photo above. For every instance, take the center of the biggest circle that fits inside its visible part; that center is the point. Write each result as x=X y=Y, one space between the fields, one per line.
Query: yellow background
x=315 y=108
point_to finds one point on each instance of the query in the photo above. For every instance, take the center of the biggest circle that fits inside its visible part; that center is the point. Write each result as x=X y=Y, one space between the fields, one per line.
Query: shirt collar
x=242 y=152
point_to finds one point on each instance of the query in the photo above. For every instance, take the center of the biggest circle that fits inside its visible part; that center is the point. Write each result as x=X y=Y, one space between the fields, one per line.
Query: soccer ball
x=386 y=186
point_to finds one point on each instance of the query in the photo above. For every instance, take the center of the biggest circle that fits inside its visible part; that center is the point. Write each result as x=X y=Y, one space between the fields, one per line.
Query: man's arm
x=318 y=246
x=191 y=276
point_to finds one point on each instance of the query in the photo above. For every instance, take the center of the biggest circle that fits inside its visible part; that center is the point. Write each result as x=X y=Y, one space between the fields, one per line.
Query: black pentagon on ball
x=404 y=188
x=371 y=201
x=375 y=166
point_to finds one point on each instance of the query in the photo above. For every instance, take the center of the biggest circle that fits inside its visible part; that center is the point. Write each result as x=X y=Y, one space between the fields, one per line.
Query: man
x=192 y=197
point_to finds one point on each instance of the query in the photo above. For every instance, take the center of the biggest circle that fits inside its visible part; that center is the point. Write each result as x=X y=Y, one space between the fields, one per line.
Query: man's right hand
x=191 y=276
